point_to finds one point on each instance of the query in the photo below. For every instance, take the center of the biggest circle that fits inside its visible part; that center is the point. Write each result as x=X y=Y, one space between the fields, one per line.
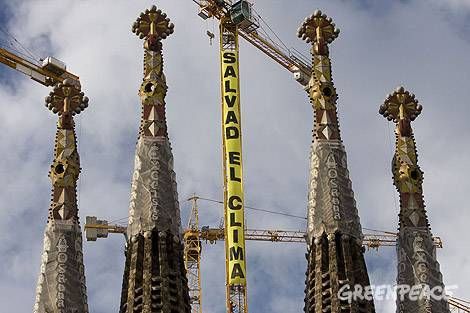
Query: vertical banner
x=233 y=175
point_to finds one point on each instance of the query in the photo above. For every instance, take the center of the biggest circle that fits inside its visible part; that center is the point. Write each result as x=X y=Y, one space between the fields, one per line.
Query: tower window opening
x=59 y=169
x=149 y=87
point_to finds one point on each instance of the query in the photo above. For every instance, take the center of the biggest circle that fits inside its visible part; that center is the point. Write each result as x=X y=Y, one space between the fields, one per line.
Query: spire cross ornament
x=153 y=25
x=66 y=100
x=402 y=107
x=319 y=29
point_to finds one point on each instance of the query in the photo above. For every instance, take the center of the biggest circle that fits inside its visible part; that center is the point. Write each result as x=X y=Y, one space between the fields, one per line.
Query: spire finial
x=153 y=25
x=66 y=100
x=399 y=105
x=402 y=107
x=319 y=29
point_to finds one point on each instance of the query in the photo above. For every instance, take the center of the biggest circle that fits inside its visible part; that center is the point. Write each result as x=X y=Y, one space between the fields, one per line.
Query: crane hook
x=211 y=36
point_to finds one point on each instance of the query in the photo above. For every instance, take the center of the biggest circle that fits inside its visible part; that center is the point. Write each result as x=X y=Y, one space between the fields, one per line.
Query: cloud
x=410 y=43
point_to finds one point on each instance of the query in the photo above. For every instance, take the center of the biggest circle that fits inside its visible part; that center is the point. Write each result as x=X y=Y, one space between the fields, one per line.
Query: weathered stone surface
x=417 y=263
x=335 y=256
x=61 y=284
x=154 y=274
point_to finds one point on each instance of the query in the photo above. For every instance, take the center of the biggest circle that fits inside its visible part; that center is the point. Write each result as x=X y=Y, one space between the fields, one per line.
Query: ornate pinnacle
x=417 y=264
x=402 y=107
x=63 y=256
x=66 y=100
x=153 y=25
x=319 y=29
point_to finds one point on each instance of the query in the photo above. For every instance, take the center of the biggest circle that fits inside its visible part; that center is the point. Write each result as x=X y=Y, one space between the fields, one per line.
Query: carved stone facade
x=154 y=274
x=417 y=263
x=335 y=255
x=61 y=285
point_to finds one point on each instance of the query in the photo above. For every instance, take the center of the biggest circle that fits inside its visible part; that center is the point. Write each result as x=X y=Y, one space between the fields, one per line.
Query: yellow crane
x=194 y=236
x=241 y=12
x=458 y=305
x=237 y=18
x=51 y=72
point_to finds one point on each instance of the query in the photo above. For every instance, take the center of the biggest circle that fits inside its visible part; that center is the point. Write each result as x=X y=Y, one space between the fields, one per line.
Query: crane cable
x=257 y=209
x=246 y=207
x=272 y=31
x=281 y=44
x=12 y=39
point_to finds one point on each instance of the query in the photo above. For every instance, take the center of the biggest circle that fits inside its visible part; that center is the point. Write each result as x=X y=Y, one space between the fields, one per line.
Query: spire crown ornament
x=402 y=108
x=400 y=105
x=153 y=25
x=66 y=99
x=319 y=29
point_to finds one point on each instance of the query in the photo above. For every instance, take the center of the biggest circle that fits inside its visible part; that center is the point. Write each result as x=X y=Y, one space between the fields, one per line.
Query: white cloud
x=407 y=43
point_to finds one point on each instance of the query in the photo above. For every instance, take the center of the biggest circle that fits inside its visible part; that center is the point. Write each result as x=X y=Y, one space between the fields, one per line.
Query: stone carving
x=335 y=256
x=154 y=274
x=61 y=284
x=417 y=264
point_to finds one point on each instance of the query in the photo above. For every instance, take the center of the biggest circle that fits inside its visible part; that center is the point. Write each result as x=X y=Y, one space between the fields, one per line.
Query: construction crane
x=51 y=72
x=237 y=18
x=458 y=305
x=194 y=236
x=241 y=14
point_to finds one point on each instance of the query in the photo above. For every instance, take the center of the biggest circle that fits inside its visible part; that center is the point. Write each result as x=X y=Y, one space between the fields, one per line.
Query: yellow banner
x=234 y=206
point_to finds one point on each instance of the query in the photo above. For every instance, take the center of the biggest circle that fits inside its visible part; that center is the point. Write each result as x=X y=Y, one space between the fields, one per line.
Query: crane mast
x=232 y=163
x=236 y=18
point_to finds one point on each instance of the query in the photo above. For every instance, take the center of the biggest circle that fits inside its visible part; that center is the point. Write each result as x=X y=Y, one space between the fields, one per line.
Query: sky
x=421 y=44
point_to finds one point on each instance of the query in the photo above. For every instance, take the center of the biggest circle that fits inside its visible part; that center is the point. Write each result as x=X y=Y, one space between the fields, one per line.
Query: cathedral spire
x=335 y=255
x=154 y=274
x=417 y=263
x=61 y=285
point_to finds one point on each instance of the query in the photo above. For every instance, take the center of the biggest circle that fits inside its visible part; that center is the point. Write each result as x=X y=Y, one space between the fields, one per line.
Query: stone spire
x=335 y=255
x=417 y=264
x=61 y=285
x=154 y=274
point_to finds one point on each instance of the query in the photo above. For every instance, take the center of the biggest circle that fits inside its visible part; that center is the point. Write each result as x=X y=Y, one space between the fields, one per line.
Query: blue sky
x=422 y=44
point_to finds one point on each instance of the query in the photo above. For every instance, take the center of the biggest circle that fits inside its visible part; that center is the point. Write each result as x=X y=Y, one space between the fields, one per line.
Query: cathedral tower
x=61 y=285
x=417 y=264
x=154 y=274
x=335 y=256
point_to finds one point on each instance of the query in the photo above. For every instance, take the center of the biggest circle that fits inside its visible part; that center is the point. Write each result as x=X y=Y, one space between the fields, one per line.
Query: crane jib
x=234 y=208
